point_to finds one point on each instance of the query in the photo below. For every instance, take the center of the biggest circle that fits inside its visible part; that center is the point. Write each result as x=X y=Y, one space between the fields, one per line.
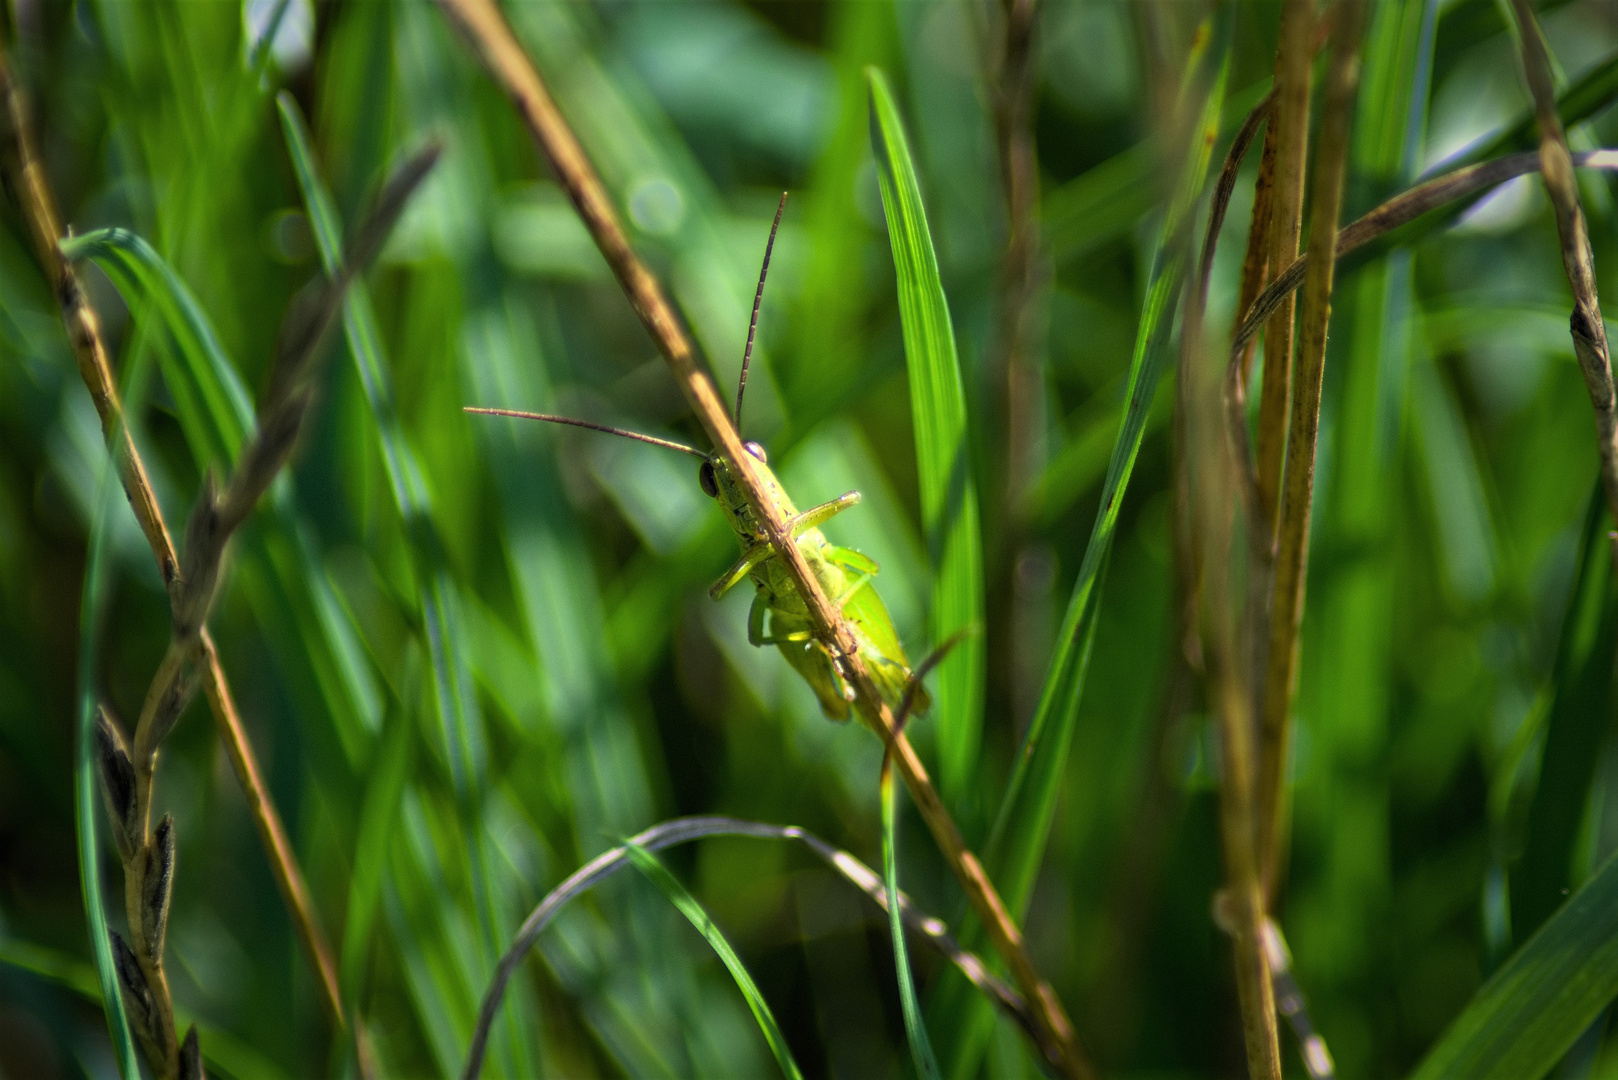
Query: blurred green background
x=597 y=689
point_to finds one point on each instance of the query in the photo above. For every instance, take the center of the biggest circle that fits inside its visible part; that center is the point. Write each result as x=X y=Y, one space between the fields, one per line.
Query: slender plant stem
x=84 y=333
x=1188 y=544
x=1556 y=166
x=1210 y=526
x=1293 y=56
x=1019 y=271
x=1292 y=545
x=1398 y=211
x=487 y=30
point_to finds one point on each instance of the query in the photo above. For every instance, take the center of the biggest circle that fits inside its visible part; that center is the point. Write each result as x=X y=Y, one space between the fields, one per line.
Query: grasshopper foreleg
x=743 y=566
x=819 y=515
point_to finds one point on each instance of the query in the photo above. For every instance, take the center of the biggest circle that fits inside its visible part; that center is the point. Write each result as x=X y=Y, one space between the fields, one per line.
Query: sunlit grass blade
x=1527 y=1015
x=648 y=864
x=459 y=718
x=921 y=1047
x=949 y=502
x=1023 y=821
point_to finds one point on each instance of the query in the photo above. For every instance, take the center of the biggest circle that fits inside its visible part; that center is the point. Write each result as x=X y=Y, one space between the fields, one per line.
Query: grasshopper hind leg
x=810 y=660
x=808 y=657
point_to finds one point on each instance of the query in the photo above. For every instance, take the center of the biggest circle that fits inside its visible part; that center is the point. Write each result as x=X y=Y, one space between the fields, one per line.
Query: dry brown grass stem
x=1019 y=272
x=1292 y=543
x=1400 y=210
x=1556 y=166
x=484 y=26
x=1208 y=502
x=1187 y=543
x=38 y=207
x=1295 y=52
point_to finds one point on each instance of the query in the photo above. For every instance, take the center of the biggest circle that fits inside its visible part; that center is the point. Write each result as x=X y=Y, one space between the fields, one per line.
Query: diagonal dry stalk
x=1556 y=165
x=128 y=768
x=1292 y=542
x=486 y=28
x=83 y=330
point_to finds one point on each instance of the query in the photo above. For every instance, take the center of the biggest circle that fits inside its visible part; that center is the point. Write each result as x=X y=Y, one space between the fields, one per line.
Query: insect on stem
x=758 y=299
x=637 y=436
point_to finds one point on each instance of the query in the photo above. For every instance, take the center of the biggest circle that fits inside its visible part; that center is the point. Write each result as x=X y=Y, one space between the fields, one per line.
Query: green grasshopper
x=779 y=615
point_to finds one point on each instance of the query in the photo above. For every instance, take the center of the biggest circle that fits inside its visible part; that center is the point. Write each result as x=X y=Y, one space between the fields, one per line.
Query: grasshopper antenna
x=758 y=298
x=637 y=436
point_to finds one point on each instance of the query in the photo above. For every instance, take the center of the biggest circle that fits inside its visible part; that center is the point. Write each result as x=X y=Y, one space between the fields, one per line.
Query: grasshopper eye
x=757 y=451
x=709 y=482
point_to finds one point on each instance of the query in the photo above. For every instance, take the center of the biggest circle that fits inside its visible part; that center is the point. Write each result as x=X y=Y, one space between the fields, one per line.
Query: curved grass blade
x=686 y=829
x=215 y=414
x=921 y=1048
x=1527 y=1016
x=949 y=505
x=214 y=409
x=647 y=864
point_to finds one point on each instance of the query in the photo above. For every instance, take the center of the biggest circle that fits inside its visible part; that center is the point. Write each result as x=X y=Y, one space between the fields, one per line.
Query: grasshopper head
x=719 y=482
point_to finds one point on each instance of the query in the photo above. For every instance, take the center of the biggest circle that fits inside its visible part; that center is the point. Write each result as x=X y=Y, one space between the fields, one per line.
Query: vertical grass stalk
x=1292 y=544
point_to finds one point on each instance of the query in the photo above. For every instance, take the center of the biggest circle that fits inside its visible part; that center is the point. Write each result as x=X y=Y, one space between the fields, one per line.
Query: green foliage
x=471 y=654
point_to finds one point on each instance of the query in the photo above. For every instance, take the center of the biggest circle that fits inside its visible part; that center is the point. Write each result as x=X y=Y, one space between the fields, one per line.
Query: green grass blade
x=1023 y=822
x=1579 y=719
x=216 y=414
x=949 y=503
x=648 y=864
x=1524 y=1018
x=214 y=408
x=1105 y=202
x=220 y=1050
x=459 y=724
x=87 y=802
x=921 y=1047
